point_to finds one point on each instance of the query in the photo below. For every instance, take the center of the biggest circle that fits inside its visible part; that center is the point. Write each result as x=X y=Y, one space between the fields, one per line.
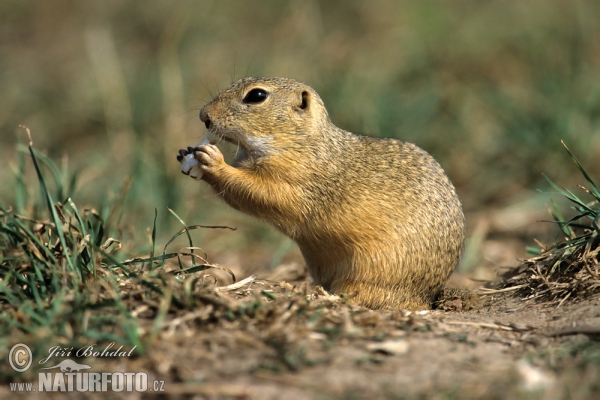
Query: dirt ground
x=281 y=338
x=506 y=349
x=268 y=340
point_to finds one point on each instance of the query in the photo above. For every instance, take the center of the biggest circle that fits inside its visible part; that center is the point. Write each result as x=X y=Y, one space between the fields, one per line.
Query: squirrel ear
x=305 y=97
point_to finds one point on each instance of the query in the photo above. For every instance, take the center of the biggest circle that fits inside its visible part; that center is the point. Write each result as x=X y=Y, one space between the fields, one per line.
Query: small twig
x=486 y=291
x=28 y=134
x=487 y=325
x=544 y=248
x=237 y=285
x=587 y=267
x=537 y=267
x=563 y=300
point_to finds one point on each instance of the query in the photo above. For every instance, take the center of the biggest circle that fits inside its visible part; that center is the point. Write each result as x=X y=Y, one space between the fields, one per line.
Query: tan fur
x=373 y=216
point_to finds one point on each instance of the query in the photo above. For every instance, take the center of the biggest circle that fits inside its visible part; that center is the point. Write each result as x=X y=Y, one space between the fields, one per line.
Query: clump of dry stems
x=569 y=269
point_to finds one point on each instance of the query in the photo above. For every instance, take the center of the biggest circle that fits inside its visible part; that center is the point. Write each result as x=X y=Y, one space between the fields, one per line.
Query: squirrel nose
x=205 y=118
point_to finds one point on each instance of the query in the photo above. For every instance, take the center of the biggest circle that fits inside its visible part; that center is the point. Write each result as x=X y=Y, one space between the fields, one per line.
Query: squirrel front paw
x=205 y=157
x=209 y=158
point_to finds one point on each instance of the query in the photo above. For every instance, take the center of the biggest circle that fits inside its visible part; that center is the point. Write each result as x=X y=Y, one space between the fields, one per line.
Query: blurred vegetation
x=113 y=89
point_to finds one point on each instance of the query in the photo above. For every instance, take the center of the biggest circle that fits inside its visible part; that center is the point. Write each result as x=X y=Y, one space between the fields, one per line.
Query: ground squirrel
x=377 y=218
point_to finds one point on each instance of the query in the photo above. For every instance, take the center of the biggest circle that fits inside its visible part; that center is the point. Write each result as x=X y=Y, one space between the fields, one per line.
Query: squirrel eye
x=255 y=96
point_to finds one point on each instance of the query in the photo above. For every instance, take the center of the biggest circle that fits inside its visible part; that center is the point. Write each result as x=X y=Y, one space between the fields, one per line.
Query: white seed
x=190 y=166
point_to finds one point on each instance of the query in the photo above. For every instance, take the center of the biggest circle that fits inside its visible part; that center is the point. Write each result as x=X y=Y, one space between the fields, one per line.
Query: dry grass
x=556 y=275
x=566 y=270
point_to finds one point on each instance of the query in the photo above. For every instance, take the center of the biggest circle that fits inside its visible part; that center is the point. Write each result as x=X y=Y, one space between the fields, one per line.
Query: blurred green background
x=112 y=89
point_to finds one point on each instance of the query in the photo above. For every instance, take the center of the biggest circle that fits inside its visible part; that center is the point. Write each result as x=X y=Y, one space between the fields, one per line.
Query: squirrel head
x=266 y=116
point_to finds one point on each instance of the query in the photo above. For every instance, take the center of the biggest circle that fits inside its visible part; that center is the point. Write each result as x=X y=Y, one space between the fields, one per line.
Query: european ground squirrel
x=377 y=218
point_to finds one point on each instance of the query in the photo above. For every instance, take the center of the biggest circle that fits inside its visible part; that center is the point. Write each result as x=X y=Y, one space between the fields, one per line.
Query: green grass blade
x=153 y=239
x=594 y=188
x=56 y=173
x=569 y=195
x=187 y=232
x=73 y=207
x=36 y=294
x=143 y=260
x=196 y=268
x=192 y=227
x=51 y=207
x=35 y=239
x=20 y=187
x=89 y=262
